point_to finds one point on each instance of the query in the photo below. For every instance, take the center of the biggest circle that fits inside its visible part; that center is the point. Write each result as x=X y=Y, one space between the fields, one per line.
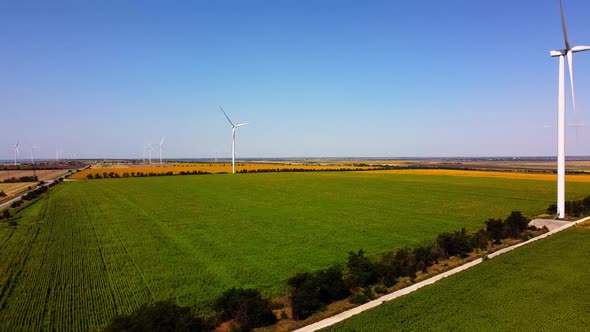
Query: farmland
x=92 y=249
x=543 y=286
x=42 y=174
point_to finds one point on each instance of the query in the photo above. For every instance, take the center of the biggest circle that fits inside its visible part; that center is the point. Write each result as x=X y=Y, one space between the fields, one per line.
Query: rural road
x=556 y=225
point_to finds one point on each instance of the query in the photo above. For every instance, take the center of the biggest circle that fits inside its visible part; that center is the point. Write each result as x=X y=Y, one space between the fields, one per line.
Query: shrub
x=6 y=214
x=552 y=209
x=246 y=307
x=312 y=291
x=3 y=194
x=516 y=223
x=455 y=244
x=381 y=289
x=362 y=271
x=13 y=223
x=90 y=176
x=495 y=229
x=159 y=316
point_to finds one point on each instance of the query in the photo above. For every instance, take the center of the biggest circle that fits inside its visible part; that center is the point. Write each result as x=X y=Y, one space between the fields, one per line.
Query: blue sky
x=313 y=78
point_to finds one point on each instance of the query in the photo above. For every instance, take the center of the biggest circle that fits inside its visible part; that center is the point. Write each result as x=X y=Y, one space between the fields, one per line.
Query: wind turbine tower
x=233 y=140
x=161 y=144
x=16 y=151
x=566 y=52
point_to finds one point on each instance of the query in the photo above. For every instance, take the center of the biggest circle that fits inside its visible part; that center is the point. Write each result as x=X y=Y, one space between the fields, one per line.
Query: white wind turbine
x=566 y=52
x=233 y=140
x=149 y=149
x=161 y=144
x=16 y=151
x=33 y=148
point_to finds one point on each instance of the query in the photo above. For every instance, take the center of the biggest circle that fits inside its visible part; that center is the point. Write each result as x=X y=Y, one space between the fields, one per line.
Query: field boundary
x=407 y=290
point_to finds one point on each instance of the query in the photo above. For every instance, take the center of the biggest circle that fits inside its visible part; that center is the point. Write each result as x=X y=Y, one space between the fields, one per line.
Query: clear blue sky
x=313 y=78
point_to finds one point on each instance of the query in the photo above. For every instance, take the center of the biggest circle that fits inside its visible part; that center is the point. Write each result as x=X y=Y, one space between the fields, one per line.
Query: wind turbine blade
x=571 y=68
x=17 y=143
x=241 y=125
x=580 y=48
x=162 y=141
x=565 y=37
x=227 y=117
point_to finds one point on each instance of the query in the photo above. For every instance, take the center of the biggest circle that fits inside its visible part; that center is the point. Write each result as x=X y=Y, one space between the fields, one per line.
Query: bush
x=364 y=296
x=495 y=229
x=6 y=214
x=362 y=272
x=381 y=289
x=455 y=244
x=13 y=223
x=3 y=194
x=246 y=307
x=312 y=291
x=159 y=316
x=516 y=223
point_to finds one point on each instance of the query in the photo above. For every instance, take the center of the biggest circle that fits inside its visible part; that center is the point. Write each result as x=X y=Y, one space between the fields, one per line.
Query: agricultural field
x=12 y=189
x=540 y=287
x=93 y=249
x=42 y=174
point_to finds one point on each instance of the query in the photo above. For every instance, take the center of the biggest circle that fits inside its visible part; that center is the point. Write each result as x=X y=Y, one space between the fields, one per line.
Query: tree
x=159 y=316
x=495 y=229
x=516 y=223
x=362 y=271
x=246 y=307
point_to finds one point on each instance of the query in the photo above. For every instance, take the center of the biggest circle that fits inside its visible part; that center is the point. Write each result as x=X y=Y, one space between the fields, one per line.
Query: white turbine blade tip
x=241 y=125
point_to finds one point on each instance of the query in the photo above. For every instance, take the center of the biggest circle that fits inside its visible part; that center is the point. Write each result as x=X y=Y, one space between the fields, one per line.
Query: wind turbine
x=577 y=125
x=16 y=151
x=233 y=140
x=161 y=143
x=566 y=52
x=33 y=153
x=149 y=148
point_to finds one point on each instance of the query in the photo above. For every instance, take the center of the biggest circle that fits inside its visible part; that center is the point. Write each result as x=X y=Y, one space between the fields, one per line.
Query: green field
x=541 y=287
x=92 y=249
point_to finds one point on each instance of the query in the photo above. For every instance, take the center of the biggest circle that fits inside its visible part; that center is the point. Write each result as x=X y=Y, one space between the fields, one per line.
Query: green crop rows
x=92 y=249
x=541 y=287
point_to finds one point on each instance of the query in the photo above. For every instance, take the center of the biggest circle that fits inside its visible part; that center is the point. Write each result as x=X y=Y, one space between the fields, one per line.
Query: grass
x=92 y=249
x=540 y=287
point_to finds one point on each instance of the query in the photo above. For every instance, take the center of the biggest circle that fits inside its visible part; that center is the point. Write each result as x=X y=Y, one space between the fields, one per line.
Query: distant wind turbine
x=161 y=143
x=149 y=148
x=16 y=151
x=566 y=52
x=577 y=125
x=33 y=153
x=233 y=140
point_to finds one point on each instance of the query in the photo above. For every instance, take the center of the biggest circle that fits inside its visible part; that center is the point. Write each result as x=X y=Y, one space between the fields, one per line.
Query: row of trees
x=245 y=309
x=573 y=208
x=114 y=175
x=30 y=178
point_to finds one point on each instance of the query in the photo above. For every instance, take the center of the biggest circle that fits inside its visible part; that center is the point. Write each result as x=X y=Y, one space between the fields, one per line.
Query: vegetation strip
x=372 y=304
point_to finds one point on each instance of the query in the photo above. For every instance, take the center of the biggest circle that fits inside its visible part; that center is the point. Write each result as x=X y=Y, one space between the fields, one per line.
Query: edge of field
x=327 y=322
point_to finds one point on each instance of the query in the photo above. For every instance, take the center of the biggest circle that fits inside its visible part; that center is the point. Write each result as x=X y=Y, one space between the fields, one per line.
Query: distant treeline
x=114 y=175
x=358 y=279
x=22 y=179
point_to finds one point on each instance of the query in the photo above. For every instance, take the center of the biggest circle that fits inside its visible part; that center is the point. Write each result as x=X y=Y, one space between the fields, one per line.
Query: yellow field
x=210 y=168
x=12 y=189
x=42 y=174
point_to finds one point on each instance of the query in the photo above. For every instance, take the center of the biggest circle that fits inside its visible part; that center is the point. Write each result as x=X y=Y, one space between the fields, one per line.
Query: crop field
x=92 y=249
x=42 y=174
x=540 y=287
